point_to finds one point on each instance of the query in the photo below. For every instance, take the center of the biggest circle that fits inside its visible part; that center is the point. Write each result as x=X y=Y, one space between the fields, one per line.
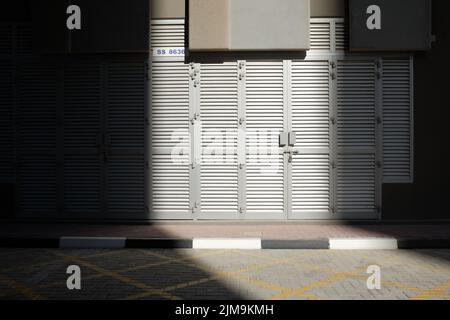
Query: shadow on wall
x=428 y=197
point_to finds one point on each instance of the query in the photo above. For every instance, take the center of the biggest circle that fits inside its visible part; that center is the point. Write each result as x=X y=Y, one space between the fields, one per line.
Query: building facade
x=203 y=115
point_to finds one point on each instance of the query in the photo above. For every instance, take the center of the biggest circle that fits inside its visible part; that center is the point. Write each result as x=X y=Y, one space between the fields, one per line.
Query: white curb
x=230 y=243
x=364 y=244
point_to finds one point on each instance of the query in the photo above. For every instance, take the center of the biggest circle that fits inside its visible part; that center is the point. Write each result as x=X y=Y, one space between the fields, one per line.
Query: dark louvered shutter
x=6 y=39
x=6 y=118
x=104 y=139
x=6 y=121
x=82 y=134
x=37 y=135
x=397 y=121
x=125 y=139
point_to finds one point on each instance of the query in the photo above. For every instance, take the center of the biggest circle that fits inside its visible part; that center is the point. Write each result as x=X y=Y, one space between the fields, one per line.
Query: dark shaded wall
x=16 y=10
x=429 y=196
x=71 y=125
x=11 y=11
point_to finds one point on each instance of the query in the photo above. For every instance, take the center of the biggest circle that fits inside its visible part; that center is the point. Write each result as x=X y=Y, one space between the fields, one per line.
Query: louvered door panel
x=310 y=100
x=6 y=39
x=264 y=121
x=356 y=184
x=356 y=177
x=311 y=183
x=170 y=106
x=320 y=35
x=37 y=112
x=356 y=104
x=341 y=36
x=265 y=185
x=125 y=186
x=83 y=158
x=219 y=107
x=170 y=186
x=264 y=104
x=219 y=185
x=126 y=106
x=167 y=33
x=37 y=107
x=82 y=107
x=397 y=120
x=125 y=139
x=219 y=119
x=82 y=186
x=37 y=186
x=311 y=104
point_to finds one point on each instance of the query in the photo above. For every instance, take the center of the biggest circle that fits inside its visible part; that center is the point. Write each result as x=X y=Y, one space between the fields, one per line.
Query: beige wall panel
x=168 y=9
x=328 y=8
x=208 y=25
x=269 y=24
x=215 y=25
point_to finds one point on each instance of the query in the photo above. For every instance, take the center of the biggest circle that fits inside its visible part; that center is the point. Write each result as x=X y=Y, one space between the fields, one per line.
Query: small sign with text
x=169 y=52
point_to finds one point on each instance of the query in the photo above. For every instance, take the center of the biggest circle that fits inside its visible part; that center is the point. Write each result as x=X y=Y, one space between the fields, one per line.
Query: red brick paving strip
x=282 y=231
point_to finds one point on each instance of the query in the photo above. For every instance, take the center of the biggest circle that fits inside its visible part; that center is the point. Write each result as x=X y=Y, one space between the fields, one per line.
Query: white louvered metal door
x=170 y=140
x=357 y=130
x=216 y=129
x=219 y=127
x=170 y=126
x=310 y=112
x=265 y=106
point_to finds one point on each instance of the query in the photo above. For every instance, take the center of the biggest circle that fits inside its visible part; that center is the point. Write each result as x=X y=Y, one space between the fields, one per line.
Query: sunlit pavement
x=224 y=274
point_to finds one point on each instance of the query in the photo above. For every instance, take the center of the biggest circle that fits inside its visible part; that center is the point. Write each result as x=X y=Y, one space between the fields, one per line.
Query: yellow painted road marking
x=290 y=293
x=281 y=292
x=437 y=292
x=228 y=274
x=130 y=269
x=216 y=274
x=119 y=277
x=361 y=277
